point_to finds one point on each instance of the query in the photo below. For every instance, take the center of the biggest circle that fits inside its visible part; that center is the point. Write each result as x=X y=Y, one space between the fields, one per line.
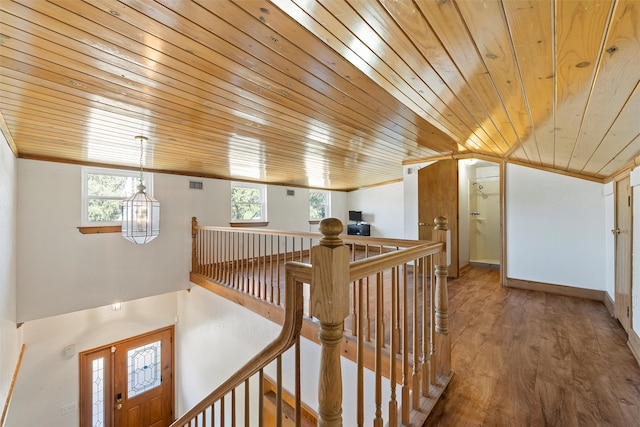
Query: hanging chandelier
x=140 y=212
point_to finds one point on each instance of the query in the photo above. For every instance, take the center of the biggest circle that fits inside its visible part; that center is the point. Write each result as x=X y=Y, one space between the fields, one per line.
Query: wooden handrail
x=368 y=266
x=346 y=238
x=13 y=383
x=287 y=337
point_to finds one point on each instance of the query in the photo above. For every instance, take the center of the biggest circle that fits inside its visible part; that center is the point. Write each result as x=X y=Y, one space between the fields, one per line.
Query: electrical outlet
x=67 y=409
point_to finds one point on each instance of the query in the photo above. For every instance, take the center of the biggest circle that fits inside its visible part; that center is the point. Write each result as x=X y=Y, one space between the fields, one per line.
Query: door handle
x=119 y=401
x=615 y=231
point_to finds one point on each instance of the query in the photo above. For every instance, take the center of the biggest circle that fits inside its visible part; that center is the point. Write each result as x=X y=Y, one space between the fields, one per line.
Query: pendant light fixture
x=140 y=212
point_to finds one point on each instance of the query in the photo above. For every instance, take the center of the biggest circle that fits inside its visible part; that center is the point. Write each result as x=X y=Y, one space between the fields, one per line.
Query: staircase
x=379 y=303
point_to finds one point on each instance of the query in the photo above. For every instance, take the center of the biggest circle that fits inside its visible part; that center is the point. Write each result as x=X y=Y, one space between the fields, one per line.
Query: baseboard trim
x=465 y=268
x=556 y=289
x=634 y=344
x=608 y=302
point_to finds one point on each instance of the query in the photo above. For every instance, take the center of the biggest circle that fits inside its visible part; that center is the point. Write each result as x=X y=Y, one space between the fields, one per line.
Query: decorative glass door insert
x=144 y=368
x=97 y=393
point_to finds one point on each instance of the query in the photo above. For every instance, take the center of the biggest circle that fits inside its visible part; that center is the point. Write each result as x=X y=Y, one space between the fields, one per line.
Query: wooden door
x=438 y=196
x=623 y=238
x=129 y=383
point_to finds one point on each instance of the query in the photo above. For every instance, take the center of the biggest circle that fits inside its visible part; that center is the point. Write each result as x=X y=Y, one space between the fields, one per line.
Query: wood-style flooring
x=526 y=358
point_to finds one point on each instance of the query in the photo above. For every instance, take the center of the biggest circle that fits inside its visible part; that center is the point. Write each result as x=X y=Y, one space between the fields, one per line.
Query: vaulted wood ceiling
x=330 y=94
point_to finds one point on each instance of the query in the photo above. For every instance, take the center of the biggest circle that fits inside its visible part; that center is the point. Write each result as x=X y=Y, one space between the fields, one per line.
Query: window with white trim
x=103 y=191
x=248 y=202
x=319 y=204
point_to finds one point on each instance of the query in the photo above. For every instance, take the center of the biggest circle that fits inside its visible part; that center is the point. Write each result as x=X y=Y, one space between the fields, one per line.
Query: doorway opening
x=480 y=214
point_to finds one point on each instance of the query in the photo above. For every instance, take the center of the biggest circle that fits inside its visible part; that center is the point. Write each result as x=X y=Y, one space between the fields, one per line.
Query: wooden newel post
x=194 y=235
x=442 y=260
x=330 y=303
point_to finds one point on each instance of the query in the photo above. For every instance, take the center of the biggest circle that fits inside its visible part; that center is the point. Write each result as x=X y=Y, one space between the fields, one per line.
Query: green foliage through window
x=104 y=192
x=247 y=203
x=101 y=210
x=318 y=204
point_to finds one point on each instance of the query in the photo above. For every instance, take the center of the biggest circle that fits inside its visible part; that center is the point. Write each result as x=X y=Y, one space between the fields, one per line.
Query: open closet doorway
x=480 y=238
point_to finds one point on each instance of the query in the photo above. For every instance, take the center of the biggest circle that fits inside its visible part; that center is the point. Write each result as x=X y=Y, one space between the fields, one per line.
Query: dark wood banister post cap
x=331 y=229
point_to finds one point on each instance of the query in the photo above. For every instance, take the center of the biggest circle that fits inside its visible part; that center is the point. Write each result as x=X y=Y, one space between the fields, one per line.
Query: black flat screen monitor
x=355 y=216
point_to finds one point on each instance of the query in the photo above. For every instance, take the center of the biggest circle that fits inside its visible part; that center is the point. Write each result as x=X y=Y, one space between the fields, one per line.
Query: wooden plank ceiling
x=327 y=94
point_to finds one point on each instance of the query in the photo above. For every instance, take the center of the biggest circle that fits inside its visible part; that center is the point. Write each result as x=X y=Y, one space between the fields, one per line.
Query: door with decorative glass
x=128 y=383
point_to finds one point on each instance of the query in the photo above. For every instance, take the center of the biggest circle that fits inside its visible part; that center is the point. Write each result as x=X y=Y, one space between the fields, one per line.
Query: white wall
x=463 y=213
x=207 y=347
x=610 y=220
x=49 y=380
x=60 y=270
x=338 y=209
x=281 y=208
x=291 y=213
x=555 y=229
x=10 y=337
x=382 y=207
x=635 y=273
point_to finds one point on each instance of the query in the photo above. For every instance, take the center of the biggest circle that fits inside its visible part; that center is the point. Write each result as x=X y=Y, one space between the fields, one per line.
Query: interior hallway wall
x=10 y=336
x=555 y=229
x=635 y=272
x=610 y=220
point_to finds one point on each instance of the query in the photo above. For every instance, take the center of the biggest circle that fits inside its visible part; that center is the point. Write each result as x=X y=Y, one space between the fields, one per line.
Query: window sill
x=249 y=224
x=101 y=229
x=314 y=221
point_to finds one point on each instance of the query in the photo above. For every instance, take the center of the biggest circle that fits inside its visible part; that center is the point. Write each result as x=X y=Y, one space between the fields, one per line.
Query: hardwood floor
x=526 y=358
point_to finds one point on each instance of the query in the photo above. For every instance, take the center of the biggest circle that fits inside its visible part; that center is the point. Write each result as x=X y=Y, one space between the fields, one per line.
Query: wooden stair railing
x=398 y=327
x=5 y=411
x=416 y=334
x=204 y=413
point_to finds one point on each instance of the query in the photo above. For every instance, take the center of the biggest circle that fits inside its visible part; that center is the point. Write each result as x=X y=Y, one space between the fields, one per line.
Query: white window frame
x=86 y=171
x=263 y=201
x=327 y=204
